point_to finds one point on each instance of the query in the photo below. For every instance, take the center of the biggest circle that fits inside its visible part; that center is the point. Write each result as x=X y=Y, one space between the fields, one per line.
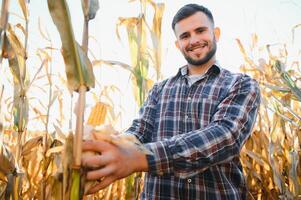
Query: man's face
x=196 y=38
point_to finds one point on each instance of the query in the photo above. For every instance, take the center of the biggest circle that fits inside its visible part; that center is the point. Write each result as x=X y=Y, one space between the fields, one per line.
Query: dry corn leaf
x=61 y=136
x=137 y=38
x=3 y=25
x=244 y=53
x=23 y=5
x=45 y=34
x=52 y=150
x=15 y=52
x=131 y=27
x=257 y=157
x=54 y=188
x=67 y=158
x=30 y=145
x=156 y=36
x=77 y=65
x=19 y=26
x=7 y=160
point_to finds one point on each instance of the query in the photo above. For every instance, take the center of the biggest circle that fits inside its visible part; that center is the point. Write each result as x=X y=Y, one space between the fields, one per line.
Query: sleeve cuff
x=160 y=162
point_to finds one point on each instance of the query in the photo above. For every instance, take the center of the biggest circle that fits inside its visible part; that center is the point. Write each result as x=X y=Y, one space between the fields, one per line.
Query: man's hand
x=111 y=162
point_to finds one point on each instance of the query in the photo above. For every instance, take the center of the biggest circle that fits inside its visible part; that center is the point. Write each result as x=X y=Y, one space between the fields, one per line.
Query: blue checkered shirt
x=196 y=133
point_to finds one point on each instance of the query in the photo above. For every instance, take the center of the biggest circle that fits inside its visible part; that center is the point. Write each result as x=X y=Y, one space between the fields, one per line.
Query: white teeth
x=197 y=47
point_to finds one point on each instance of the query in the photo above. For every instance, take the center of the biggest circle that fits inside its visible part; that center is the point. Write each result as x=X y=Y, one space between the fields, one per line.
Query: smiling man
x=194 y=123
x=196 y=41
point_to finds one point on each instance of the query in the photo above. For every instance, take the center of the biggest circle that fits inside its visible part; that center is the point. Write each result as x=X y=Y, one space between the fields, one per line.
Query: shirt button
x=189 y=180
x=186 y=116
x=189 y=98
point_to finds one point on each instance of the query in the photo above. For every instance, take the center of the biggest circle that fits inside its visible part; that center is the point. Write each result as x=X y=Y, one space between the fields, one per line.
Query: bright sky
x=271 y=20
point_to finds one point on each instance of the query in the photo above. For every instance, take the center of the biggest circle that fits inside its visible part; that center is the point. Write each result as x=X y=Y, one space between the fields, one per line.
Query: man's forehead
x=197 y=20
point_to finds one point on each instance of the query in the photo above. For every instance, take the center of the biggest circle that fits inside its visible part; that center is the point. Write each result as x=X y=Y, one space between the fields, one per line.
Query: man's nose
x=194 y=39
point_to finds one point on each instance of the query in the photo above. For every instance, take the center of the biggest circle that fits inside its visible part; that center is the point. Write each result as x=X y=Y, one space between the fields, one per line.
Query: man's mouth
x=196 y=47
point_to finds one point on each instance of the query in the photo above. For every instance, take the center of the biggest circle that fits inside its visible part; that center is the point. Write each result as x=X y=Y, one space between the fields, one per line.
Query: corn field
x=45 y=163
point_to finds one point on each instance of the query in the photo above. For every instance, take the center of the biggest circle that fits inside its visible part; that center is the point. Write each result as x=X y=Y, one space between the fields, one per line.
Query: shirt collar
x=215 y=68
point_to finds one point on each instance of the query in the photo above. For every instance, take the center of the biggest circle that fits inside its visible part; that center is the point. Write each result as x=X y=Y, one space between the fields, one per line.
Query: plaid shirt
x=196 y=133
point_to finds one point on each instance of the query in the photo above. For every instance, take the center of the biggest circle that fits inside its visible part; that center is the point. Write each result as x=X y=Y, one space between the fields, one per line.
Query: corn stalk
x=79 y=74
x=7 y=167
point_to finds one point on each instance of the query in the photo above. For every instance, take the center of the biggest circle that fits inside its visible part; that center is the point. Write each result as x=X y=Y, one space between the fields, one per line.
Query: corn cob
x=98 y=114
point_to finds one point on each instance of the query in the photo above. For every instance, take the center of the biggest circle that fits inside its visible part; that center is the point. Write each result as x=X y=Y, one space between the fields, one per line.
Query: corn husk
x=109 y=134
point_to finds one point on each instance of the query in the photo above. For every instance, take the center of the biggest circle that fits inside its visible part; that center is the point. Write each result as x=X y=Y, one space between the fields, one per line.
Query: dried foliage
x=271 y=157
x=40 y=165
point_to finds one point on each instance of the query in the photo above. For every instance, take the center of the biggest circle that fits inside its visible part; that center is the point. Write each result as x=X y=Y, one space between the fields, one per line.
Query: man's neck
x=200 y=69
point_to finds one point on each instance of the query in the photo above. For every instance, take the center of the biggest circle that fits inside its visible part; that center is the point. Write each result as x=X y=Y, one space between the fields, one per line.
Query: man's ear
x=217 y=33
x=177 y=44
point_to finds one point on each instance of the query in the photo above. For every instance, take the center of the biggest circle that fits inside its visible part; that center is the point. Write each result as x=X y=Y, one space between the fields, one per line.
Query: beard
x=205 y=59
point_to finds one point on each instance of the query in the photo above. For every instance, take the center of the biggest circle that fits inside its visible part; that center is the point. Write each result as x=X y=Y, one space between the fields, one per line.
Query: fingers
x=95 y=161
x=97 y=146
x=104 y=183
x=100 y=173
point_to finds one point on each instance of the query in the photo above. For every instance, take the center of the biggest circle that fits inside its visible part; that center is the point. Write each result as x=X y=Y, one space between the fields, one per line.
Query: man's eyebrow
x=202 y=28
x=183 y=34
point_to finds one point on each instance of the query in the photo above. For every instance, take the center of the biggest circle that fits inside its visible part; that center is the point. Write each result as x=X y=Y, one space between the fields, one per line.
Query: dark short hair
x=188 y=10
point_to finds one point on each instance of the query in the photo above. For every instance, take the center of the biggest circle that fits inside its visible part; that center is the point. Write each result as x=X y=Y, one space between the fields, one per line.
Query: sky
x=271 y=20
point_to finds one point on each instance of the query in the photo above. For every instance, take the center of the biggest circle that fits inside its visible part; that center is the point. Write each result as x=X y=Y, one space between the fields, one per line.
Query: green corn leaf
x=287 y=79
x=277 y=88
x=20 y=109
x=293 y=171
x=77 y=65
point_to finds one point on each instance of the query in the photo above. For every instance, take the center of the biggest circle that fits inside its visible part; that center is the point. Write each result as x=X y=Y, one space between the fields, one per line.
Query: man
x=194 y=123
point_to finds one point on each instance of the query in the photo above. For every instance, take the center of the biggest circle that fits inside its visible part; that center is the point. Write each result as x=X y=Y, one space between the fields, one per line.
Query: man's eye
x=184 y=36
x=199 y=30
